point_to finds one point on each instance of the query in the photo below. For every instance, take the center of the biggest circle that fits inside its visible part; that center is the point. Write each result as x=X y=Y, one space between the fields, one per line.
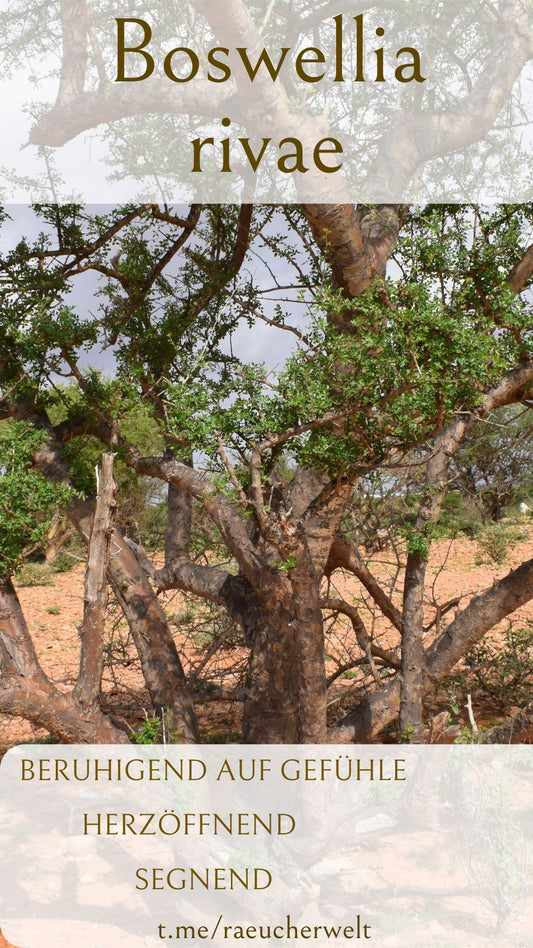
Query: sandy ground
x=53 y=614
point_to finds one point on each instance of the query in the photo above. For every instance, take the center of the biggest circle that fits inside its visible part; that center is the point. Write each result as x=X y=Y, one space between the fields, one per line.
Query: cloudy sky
x=258 y=343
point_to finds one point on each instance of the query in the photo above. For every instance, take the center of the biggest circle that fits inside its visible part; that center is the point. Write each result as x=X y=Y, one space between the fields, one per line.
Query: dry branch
x=95 y=599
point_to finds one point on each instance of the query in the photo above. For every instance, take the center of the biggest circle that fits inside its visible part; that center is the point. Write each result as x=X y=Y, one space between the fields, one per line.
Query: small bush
x=34 y=574
x=495 y=542
x=148 y=733
x=505 y=671
x=151 y=732
x=63 y=563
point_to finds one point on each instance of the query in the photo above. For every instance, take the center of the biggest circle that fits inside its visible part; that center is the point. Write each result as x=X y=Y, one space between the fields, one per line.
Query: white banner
x=402 y=845
x=399 y=101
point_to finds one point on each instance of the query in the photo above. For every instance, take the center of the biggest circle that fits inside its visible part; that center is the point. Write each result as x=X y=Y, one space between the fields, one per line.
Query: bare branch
x=361 y=634
x=344 y=555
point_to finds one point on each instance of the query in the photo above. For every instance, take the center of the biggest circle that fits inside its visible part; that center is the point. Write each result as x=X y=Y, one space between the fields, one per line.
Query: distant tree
x=494 y=468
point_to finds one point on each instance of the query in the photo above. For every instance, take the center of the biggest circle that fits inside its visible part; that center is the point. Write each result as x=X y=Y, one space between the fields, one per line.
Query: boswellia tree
x=411 y=325
x=387 y=368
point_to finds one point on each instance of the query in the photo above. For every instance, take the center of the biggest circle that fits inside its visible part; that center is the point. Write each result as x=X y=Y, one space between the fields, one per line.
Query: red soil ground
x=53 y=614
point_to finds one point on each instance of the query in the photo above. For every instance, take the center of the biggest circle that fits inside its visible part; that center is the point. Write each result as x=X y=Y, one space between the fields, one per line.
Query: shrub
x=151 y=732
x=148 y=733
x=63 y=563
x=505 y=671
x=34 y=574
x=458 y=516
x=495 y=542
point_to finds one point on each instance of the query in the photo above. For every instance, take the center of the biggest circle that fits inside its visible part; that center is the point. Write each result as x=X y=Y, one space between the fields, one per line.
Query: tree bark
x=271 y=712
x=160 y=662
x=411 y=722
x=26 y=691
x=87 y=690
x=285 y=692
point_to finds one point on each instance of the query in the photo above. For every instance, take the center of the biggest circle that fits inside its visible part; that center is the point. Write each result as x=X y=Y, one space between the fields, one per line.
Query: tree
x=385 y=364
x=412 y=361
x=27 y=501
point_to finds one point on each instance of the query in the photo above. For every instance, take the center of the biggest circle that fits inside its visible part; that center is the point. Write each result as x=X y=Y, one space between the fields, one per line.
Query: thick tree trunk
x=309 y=633
x=357 y=243
x=271 y=713
x=285 y=697
x=411 y=723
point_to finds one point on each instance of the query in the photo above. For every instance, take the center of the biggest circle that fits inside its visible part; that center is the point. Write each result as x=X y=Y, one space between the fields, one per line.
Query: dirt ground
x=53 y=613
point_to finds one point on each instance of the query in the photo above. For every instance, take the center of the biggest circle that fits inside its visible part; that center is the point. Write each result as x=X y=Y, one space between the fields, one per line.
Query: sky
x=258 y=343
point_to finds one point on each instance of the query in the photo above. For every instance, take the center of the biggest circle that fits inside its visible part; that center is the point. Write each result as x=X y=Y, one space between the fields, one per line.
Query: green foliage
x=63 y=563
x=34 y=574
x=418 y=543
x=496 y=540
x=148 y=733
x=458 y=515
x=450 y=690
x=28 y=501
x=285 y=565
x=408 y=734
x=466 y=736
x=82 y=453
x=151 y=732
x=505 y=670
x=413 y=351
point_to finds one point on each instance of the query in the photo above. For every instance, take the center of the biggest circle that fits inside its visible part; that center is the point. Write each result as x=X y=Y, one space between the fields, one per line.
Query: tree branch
x=88 y=685
x=468 y=627
x=343 y=555
x=361 y=634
